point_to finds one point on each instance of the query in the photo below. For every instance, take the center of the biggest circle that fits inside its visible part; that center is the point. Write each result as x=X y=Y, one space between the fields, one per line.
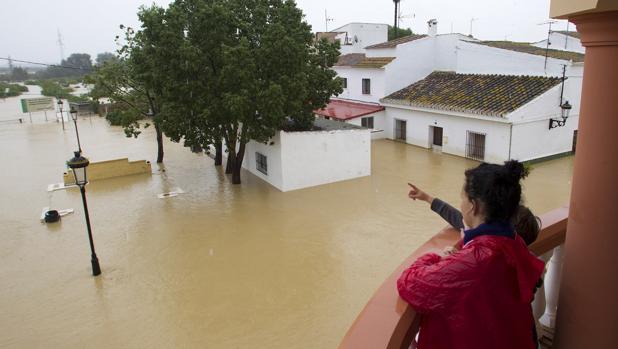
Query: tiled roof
x=569 y=33
x=527 y=48
x=345 y=110
x=491 y=95
x=398 y=41
x=358 y=60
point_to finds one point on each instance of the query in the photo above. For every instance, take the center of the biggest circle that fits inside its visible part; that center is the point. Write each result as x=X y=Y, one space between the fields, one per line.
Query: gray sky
x=28 y=28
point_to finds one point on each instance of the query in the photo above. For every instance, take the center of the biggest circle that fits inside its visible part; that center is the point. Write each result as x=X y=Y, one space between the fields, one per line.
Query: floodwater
x=219 y=266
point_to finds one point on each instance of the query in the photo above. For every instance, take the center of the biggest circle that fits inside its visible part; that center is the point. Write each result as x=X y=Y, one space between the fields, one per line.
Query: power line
x=44 y=64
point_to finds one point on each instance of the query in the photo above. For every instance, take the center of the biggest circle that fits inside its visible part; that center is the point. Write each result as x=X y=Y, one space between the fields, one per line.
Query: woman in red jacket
x=478 y=297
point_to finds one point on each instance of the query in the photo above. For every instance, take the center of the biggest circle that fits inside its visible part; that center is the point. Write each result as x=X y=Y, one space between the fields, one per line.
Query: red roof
x=344 y=110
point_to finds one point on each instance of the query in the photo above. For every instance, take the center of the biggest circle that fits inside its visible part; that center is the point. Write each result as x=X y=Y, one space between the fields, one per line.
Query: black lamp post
x=74 y=117
x=59 y=102
x=78 y=164
x=564 y=114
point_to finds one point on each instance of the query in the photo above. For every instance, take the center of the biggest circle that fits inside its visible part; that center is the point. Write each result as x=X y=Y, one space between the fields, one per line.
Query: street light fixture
x=78 y=164
x=565 y=110
x=74 y=117
x=59 y=102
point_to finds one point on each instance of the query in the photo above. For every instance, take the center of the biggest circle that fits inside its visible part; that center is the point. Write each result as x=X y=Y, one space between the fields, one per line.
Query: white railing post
x=538 y=304
x=552 y=287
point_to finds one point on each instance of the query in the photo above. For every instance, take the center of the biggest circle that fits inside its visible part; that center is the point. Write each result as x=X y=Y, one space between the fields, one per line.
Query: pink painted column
x=588 y=307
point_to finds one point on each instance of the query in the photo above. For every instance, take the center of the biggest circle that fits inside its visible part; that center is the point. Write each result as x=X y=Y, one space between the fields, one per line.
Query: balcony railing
x=387 y=321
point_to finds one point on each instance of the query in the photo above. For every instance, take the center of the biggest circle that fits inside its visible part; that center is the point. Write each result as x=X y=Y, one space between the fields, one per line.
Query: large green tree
x=240 y=70
x=130 y=80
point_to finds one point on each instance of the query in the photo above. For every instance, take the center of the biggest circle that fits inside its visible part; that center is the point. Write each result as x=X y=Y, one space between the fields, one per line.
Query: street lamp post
x=78 y=164
x=74 y=117
x=60 y=107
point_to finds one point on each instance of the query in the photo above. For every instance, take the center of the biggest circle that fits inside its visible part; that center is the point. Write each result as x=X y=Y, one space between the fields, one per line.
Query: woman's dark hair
x=496 y=188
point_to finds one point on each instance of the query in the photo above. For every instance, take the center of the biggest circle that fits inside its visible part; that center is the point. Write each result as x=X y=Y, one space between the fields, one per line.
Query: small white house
x=563 y=40
x=490 y=118
x=334 y=152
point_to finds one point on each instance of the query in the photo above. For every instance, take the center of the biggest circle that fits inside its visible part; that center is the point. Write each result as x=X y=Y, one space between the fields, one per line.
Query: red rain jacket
x=478 y=297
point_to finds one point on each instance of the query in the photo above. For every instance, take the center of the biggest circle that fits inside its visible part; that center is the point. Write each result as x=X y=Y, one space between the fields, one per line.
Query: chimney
x=432 y=27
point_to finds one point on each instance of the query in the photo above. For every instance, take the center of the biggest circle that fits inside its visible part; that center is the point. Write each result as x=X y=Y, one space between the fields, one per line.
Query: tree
x=401 y=32
x=129 y=82
x=252 y=68
x=105 y=57
x=19 y=74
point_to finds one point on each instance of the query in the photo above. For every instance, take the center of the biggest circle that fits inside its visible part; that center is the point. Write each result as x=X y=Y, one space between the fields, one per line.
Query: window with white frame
x=367 y=122
x=261 y=163
x=366 y=86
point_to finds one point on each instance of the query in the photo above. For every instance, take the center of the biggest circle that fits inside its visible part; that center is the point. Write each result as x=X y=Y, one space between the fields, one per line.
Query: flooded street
x=219 y=266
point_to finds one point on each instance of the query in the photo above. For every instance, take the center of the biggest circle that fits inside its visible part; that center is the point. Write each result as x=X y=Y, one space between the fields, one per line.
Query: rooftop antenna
x=550 y=22
x=472 y=20
x=396 y=24
x=327 y=19
x=60 y=45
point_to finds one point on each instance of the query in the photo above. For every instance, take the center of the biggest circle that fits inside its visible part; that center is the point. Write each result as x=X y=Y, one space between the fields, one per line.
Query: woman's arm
x=448 y=213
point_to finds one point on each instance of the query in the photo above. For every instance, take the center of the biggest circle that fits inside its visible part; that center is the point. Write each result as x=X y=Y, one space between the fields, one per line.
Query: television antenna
x=549 y=31
x=327 y=19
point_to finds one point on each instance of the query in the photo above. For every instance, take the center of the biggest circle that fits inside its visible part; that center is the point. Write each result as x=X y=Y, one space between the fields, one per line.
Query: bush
x=31 y=82
x=14 y=89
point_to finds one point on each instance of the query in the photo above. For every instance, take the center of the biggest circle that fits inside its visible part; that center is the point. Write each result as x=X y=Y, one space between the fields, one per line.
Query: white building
x=563 y=40
x=354 y=37
x=491 y=118
x=294 y=160
x=388 y=67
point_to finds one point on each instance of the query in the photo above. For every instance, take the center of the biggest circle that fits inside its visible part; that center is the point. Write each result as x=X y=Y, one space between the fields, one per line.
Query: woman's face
x=467 y=210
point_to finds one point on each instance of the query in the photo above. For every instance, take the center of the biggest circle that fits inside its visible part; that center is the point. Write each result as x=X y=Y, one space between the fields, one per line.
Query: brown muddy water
x=219 y=266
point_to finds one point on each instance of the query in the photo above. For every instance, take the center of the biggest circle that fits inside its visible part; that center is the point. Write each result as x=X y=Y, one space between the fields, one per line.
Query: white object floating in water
x=171 y=194
x=58 y=186
x=61 y=213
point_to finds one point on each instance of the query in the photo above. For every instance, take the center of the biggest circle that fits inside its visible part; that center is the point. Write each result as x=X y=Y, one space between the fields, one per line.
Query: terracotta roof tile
x=398 y=41
x=527 y=48
x=492 y=95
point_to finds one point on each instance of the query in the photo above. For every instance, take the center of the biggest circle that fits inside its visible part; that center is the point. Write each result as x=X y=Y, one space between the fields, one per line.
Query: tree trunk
x=229 y=166
x=218 y=153
x=238 y=164
x=159 y=144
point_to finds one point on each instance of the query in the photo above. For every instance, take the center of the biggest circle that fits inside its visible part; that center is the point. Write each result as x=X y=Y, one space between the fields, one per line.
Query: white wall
x=378 y=131
x=415 y=60
x=320 y=157
x=481 y=59
x=361 y=35
x=454 y=131
x=558 y=41
x=355 y=76
x=273 y=155
x=534 y=140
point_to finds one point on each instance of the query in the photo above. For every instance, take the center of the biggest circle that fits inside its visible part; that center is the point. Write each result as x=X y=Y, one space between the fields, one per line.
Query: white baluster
x=538 y=304
x=552 y=287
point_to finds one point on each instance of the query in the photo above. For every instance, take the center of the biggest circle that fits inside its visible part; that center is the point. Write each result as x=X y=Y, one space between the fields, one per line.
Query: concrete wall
x=454 y=131
x=415 y=60
x=355 y=76
x=314 y=158
x=534 y=139
x=109 y=169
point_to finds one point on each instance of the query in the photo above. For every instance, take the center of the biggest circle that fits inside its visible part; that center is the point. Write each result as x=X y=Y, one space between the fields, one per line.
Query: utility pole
x=60 y=45
x=396 y=21
x=472 y=21
x=327 y=19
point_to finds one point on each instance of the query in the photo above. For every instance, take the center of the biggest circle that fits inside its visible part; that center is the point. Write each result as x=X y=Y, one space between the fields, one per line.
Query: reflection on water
x=219 y=266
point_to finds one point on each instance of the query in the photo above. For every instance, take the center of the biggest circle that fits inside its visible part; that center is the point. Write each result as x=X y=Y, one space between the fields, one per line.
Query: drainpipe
x=510 y=140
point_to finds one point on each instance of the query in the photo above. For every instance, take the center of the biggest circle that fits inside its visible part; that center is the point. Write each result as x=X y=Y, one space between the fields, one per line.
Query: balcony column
x=588 y=305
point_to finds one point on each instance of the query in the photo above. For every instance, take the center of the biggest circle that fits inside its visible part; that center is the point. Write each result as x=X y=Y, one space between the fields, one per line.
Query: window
x=366 y=86
x=344 y=82
x=367 y=122
x=400 y=130
x=261 y=163
x=475 y=145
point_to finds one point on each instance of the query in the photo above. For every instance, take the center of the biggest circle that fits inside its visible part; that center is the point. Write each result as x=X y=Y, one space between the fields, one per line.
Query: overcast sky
x=28 y=28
